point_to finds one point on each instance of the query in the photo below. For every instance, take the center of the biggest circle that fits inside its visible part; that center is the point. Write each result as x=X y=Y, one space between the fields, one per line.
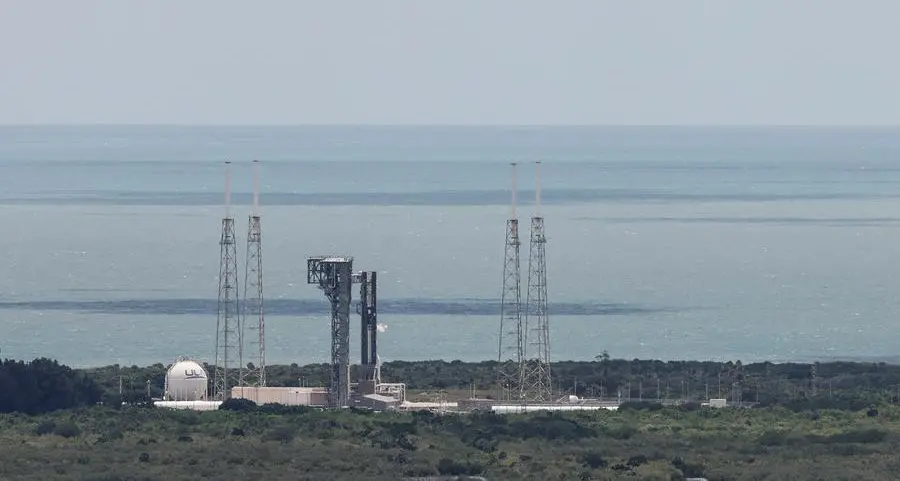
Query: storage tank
x=186 y=380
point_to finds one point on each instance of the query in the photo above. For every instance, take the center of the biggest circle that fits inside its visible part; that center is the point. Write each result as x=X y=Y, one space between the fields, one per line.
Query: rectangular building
x=287 y=396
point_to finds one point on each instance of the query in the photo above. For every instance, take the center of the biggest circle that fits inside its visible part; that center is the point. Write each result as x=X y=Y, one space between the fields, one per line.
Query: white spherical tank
x=186 y=381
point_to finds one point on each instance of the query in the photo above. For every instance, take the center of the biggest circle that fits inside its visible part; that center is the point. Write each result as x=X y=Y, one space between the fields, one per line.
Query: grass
x=664 y=444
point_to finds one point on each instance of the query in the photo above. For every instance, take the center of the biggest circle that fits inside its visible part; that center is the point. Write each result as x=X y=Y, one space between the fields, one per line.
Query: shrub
x=636 y=461
x=449 y=467
x=641 y=406
x=67 y=429
x=275 y=408
x=593 y=459
x=239 y=405
x=772 y=438
x=689 y=470
x=625 y=431
x=112 y=401
x=486 y=445
x=856 y=436
x=44 y=427
x=550 y=426
x=418 y=471
x=283 y=434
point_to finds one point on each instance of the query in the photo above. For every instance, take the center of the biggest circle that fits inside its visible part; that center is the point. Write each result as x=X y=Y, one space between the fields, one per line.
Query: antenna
x=537 y=189
x=227 y=189
x=513 y=164
x=255 y=188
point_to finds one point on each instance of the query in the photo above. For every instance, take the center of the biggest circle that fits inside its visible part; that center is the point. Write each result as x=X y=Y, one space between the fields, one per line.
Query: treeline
x=44 y=385
x=846 y=385
x=642 y=440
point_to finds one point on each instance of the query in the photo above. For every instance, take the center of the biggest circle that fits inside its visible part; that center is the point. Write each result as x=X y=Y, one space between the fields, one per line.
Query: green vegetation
x=842 y=385
x=43 y=385
x=641 y=442
x=825 y=421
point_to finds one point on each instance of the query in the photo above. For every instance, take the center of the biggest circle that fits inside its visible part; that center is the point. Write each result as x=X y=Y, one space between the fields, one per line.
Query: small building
x=287 y=396
x=379 y=402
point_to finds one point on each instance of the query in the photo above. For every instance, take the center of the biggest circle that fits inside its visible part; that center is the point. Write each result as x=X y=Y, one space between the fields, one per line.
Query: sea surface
x=777 y=243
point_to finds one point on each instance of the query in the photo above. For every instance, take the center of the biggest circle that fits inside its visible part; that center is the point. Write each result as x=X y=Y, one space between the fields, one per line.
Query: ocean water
x=670 y=243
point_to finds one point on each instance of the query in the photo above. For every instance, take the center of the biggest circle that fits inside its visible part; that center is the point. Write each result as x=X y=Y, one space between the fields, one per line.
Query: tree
x=44 y=385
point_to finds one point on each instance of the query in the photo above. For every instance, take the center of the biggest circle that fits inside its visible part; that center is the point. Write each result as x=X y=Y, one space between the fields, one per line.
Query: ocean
x=750 y=243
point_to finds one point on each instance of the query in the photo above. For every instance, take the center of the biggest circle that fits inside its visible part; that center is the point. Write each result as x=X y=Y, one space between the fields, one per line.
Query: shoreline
x=887 y=360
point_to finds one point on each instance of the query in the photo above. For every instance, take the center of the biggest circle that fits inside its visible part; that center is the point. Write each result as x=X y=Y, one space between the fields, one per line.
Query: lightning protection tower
x=254 y=322
x=536 y=381
x=512 y=332
x=228 y=342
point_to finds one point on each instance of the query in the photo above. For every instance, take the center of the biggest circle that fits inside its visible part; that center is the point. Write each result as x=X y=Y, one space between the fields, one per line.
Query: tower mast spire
x=229 y=345
x=512 y=333
x=254 y=311
x=537 y=385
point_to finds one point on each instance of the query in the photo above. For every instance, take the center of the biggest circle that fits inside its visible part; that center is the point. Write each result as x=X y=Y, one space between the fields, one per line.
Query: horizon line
x=447 y=125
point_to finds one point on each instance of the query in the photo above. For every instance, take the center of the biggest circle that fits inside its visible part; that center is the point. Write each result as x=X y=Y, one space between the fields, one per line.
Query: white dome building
x=186 y=380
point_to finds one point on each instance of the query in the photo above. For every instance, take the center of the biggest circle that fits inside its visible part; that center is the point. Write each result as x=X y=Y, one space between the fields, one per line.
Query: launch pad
x=333 y=275
x=524 y=375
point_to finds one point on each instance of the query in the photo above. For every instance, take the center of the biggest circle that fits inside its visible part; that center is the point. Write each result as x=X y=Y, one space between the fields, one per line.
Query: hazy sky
x=450 y=62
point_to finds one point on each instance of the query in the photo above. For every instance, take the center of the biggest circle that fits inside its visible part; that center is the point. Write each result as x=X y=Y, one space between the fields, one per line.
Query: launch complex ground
x=523 y=376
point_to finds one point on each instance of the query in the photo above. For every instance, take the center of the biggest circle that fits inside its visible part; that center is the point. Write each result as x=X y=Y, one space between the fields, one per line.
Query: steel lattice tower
x=254 y=322
x=537 y=386
x=334 y=276
x=228 y=328
x=512 y=332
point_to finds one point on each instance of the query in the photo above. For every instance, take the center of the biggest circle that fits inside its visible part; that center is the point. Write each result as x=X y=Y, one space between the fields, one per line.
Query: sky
x=520 y=62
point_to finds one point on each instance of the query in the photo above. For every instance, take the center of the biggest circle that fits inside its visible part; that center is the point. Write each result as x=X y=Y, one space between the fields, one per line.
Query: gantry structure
x=333 y=275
